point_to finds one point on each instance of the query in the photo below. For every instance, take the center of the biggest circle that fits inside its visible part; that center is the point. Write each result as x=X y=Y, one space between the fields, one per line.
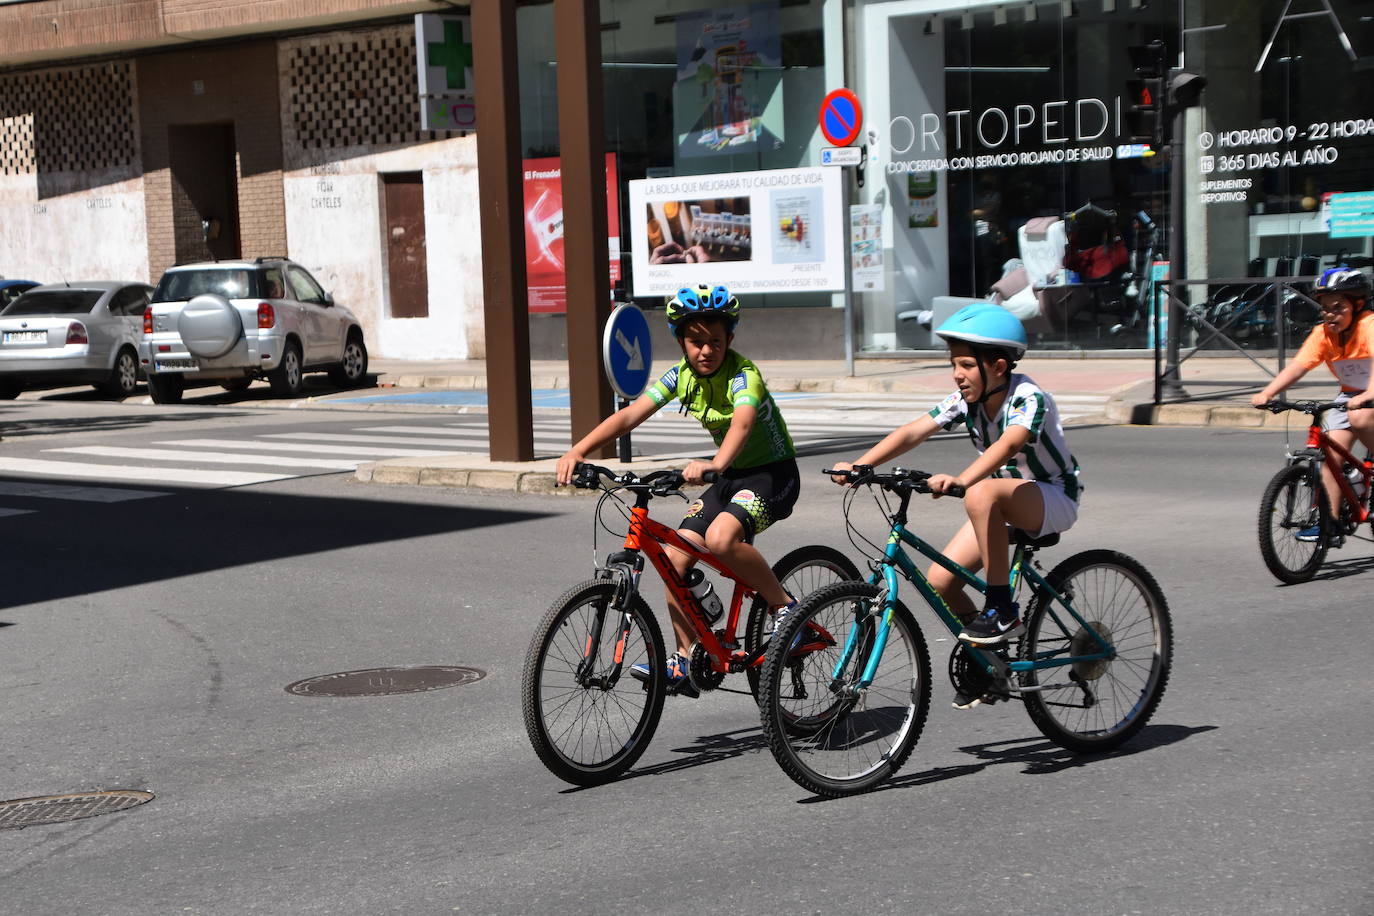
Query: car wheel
x=165 y=389
x=352 y=372
x=236 y=384
x=287 y=379
x=123 y=380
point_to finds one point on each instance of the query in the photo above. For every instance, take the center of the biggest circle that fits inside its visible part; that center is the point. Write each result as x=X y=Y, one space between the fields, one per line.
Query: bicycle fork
x=624 y=569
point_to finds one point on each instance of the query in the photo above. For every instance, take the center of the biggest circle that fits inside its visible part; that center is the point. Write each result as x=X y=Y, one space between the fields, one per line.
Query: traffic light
x=1146 y=119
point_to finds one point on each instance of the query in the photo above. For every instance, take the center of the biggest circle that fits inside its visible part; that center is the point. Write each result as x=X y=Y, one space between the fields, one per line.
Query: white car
x=73 y=333
x=233 y=321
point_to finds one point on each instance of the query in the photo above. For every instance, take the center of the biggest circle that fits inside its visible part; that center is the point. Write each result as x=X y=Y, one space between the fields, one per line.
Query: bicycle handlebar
x=588 y=476
x=898 y=480
x=1279 y=405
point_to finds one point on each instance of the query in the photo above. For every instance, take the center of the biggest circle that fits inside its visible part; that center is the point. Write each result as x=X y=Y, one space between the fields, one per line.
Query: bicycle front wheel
x=831 y=736
x=1293 y=500
x=801 y=572
x=1097 y=705
x=587 y=724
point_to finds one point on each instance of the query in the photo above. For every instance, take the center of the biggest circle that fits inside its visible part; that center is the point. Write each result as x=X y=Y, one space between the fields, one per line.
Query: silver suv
x=233 y=321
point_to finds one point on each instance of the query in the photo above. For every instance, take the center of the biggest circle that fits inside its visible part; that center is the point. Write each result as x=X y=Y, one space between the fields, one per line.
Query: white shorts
x=1060 y=511
x=1337 y=419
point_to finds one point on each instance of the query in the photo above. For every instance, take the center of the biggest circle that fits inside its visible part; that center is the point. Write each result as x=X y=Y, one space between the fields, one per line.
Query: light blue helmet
x=695 y=301
x=985 y=325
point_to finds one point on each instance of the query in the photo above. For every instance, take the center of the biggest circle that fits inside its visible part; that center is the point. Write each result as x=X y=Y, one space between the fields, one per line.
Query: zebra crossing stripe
x=68 y=469
x=167 y=454
x=334 y=451
x=75 y=493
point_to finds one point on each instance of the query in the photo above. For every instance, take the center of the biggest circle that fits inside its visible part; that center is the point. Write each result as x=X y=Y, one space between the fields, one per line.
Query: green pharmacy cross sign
x=453 y=54
x=443 y=48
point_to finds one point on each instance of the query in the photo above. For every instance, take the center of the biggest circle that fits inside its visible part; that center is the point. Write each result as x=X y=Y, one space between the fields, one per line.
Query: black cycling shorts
x=757 y=496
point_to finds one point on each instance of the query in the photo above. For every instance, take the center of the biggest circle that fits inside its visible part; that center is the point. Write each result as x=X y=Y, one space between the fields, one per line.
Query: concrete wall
x=772 y=333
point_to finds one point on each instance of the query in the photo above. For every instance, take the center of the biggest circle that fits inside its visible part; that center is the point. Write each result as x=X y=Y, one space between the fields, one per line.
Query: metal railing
x=1237 y=314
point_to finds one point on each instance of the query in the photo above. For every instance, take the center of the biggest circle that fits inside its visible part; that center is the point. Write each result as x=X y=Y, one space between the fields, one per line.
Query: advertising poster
x=544 y=232
x=921 y=188
x=728 y=94
x=866 y=247
x=766 y=231
x=1351 y=214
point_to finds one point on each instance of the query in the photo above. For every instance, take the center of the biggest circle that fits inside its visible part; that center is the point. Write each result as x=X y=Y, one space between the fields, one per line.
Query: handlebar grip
x=957 y=491
x=710 y=477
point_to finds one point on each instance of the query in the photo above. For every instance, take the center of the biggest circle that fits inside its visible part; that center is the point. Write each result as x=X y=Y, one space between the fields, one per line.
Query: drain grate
x=380 y=682
x=57 y=809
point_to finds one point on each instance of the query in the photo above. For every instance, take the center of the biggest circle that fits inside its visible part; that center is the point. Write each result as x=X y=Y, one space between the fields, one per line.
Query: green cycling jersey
x=712 y=400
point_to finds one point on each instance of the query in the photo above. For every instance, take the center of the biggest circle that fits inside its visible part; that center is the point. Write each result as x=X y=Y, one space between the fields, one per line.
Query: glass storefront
x=1004 y=158
x=1013 y=167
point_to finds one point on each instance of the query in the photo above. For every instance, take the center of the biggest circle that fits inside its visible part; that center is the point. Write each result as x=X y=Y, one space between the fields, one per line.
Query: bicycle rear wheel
x=1098 y=705
x=585 y=728
x=801 y=572
x=1291 y=502
x=828 y=740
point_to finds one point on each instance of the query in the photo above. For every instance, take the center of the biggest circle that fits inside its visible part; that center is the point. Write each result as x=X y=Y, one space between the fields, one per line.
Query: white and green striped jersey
x=1046 y=457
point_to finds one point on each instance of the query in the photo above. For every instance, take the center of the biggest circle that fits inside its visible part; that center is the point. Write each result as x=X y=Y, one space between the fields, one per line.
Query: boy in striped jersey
x=1024 y=475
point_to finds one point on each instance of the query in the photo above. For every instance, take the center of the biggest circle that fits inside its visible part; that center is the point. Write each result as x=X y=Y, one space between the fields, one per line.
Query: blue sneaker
x=679 y=680
x=1311 y=534
x=780 y=618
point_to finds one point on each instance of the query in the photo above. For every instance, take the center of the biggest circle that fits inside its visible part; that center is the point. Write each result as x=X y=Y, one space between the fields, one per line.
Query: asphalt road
x=147 y=644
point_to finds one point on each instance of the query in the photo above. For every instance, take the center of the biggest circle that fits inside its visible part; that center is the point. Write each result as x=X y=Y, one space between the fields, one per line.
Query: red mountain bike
x=588 y=719
x=1292 y=536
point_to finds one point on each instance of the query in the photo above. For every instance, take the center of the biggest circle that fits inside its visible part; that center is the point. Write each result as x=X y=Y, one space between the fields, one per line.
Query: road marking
x=333 y=450
x=167 y=454
x=129 y=472
x=76 y=494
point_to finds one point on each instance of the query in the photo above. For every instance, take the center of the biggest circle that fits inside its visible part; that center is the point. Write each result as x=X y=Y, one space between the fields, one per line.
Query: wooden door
x=405 y=244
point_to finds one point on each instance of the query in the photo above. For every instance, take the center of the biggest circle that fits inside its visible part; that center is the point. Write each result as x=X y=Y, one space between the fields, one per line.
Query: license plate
x=26 y=337
x=164 y=364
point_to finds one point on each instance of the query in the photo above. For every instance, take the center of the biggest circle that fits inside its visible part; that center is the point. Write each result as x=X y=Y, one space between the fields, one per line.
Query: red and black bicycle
x=588 y=719
x=1293 y=537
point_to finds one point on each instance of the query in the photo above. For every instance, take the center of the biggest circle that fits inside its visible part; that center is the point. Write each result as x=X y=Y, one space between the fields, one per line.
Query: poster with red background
x=544 y=231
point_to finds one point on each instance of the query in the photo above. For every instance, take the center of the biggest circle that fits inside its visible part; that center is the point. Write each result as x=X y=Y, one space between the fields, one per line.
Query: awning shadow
x=88 y=547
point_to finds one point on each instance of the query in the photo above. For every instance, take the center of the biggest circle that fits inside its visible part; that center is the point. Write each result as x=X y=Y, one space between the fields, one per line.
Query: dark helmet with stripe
x=1345 y=280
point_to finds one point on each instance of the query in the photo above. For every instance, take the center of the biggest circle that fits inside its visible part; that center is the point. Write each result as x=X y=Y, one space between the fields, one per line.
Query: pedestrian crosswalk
x=70 y=472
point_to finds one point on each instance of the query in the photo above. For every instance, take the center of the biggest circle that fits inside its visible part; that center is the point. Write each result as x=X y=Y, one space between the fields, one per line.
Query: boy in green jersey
x=757 y=481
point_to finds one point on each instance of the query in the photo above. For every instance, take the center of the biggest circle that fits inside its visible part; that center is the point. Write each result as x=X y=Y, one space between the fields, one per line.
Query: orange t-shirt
x=1349 y=363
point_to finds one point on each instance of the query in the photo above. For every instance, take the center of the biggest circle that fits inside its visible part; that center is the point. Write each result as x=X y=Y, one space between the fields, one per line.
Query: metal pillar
x=500 y=184
x=581 y=140
x=1170 y=383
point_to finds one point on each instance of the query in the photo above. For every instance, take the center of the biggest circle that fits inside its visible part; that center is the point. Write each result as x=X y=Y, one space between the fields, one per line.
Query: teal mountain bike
x=846 y=679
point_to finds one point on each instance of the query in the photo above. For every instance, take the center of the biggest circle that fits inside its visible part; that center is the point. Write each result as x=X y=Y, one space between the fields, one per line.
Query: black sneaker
x=965 y=701
x=992 y=626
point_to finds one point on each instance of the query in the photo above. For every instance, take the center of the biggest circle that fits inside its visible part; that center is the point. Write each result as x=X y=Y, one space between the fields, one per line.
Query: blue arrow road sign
x=626 y=351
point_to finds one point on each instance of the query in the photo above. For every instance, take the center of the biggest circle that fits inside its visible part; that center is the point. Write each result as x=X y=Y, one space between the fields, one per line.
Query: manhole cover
x=55 y=809
x=379 y=682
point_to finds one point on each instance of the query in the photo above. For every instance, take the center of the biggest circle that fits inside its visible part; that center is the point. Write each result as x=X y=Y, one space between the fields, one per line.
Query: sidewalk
x=1219 y=391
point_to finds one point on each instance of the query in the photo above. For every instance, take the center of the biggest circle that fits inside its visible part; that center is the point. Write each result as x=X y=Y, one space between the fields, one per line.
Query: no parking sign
x=841 y=117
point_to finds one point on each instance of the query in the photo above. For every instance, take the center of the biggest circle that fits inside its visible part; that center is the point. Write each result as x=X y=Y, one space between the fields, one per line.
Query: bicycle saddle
x=1024 y=537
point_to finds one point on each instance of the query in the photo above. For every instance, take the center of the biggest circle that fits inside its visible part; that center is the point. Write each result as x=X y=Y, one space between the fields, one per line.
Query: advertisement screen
x=768 y=231
x=545 y=274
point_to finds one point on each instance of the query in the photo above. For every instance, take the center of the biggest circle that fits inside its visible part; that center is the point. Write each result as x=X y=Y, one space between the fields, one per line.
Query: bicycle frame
x=896 y=560
x=651 y=538
x=1334 y=456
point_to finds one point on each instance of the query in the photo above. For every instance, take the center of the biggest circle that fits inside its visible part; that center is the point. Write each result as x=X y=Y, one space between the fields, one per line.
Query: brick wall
x=236 y=85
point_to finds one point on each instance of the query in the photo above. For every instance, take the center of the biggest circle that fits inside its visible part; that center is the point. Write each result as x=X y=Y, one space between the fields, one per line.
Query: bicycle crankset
x=971 y=679
x=700 y=670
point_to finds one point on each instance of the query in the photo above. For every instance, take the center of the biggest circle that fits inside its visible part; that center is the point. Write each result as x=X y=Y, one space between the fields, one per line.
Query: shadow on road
x=82 y=548
x=89 y=424
x=1036 y=756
